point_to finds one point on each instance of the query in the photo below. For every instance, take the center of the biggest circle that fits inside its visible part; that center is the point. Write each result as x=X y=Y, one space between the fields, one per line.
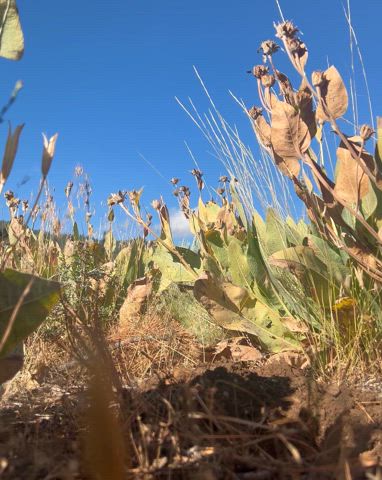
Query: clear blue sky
x=105 y=74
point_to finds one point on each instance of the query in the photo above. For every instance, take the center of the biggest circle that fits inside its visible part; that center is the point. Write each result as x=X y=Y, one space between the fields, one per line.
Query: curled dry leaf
x=333 y=94
x=290 y=138
x=261 y=127
x=352 y=184
x=295 y=325
x=304 y=100
x=360 y=253
x=136 y=299
x=238 y=349
x=286 y=88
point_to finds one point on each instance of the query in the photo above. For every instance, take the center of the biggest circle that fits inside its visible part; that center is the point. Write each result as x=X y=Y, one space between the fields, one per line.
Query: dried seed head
x=223 y=179
x=285 y=29
x=268 y=47
x=78 y=171
x=260 y=70
x=88 y=217
x=196 y=173
x=48 y=153
x=25 y=205
x=176 y=192
x=134 y=196
x=268 y=81
x=9 y=195
x=220 y=190
x=366 y=132
x=198 y=176
x=156 y=204
x=116 y=198
x=68 y=189
x=255 y=112
x=318 y=78
x=174 y=181
x=185 y=190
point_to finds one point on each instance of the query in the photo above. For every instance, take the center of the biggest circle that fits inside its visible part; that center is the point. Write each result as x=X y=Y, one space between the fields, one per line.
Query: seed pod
x=10 y=153
x=48 y=153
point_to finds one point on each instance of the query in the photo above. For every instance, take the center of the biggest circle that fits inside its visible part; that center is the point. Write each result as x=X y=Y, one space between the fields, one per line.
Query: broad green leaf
x=42 y=296
x=178 y=300
x=233 y=308
x=275 y=232
x=208 y=212
x=11 y=37
x=171 y=269
x=218 y=248
x=238 y=205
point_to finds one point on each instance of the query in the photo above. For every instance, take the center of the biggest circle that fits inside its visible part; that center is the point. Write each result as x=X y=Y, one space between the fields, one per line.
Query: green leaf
x=233 y=308
x=43 y=295
x=110 y=243
x=171 y=269
x=11 y=37
x=76 y=233
x=128 y=263
x=178 y=300
x=275 y=232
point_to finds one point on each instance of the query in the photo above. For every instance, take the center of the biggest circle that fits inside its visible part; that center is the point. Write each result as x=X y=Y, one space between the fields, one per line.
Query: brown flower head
x=156 y=204
x=116 y=198
x=260 y=70
x=285 y=29
x=268 y=47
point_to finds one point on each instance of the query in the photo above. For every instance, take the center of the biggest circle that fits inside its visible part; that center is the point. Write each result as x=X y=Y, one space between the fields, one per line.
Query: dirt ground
x=224 y=420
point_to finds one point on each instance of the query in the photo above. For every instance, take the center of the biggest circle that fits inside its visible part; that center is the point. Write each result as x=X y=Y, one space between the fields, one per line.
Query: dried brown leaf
x=333 y=94
x=304 y=100
x=136 y=299
x=285 y=87
x=290 y=138
x=352 y=184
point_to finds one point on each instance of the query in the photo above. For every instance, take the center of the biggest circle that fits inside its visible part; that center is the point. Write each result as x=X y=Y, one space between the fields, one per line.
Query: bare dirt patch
x=229 y=420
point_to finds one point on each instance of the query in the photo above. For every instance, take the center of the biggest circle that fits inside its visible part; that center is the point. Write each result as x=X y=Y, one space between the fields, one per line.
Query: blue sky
x=105 y=74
